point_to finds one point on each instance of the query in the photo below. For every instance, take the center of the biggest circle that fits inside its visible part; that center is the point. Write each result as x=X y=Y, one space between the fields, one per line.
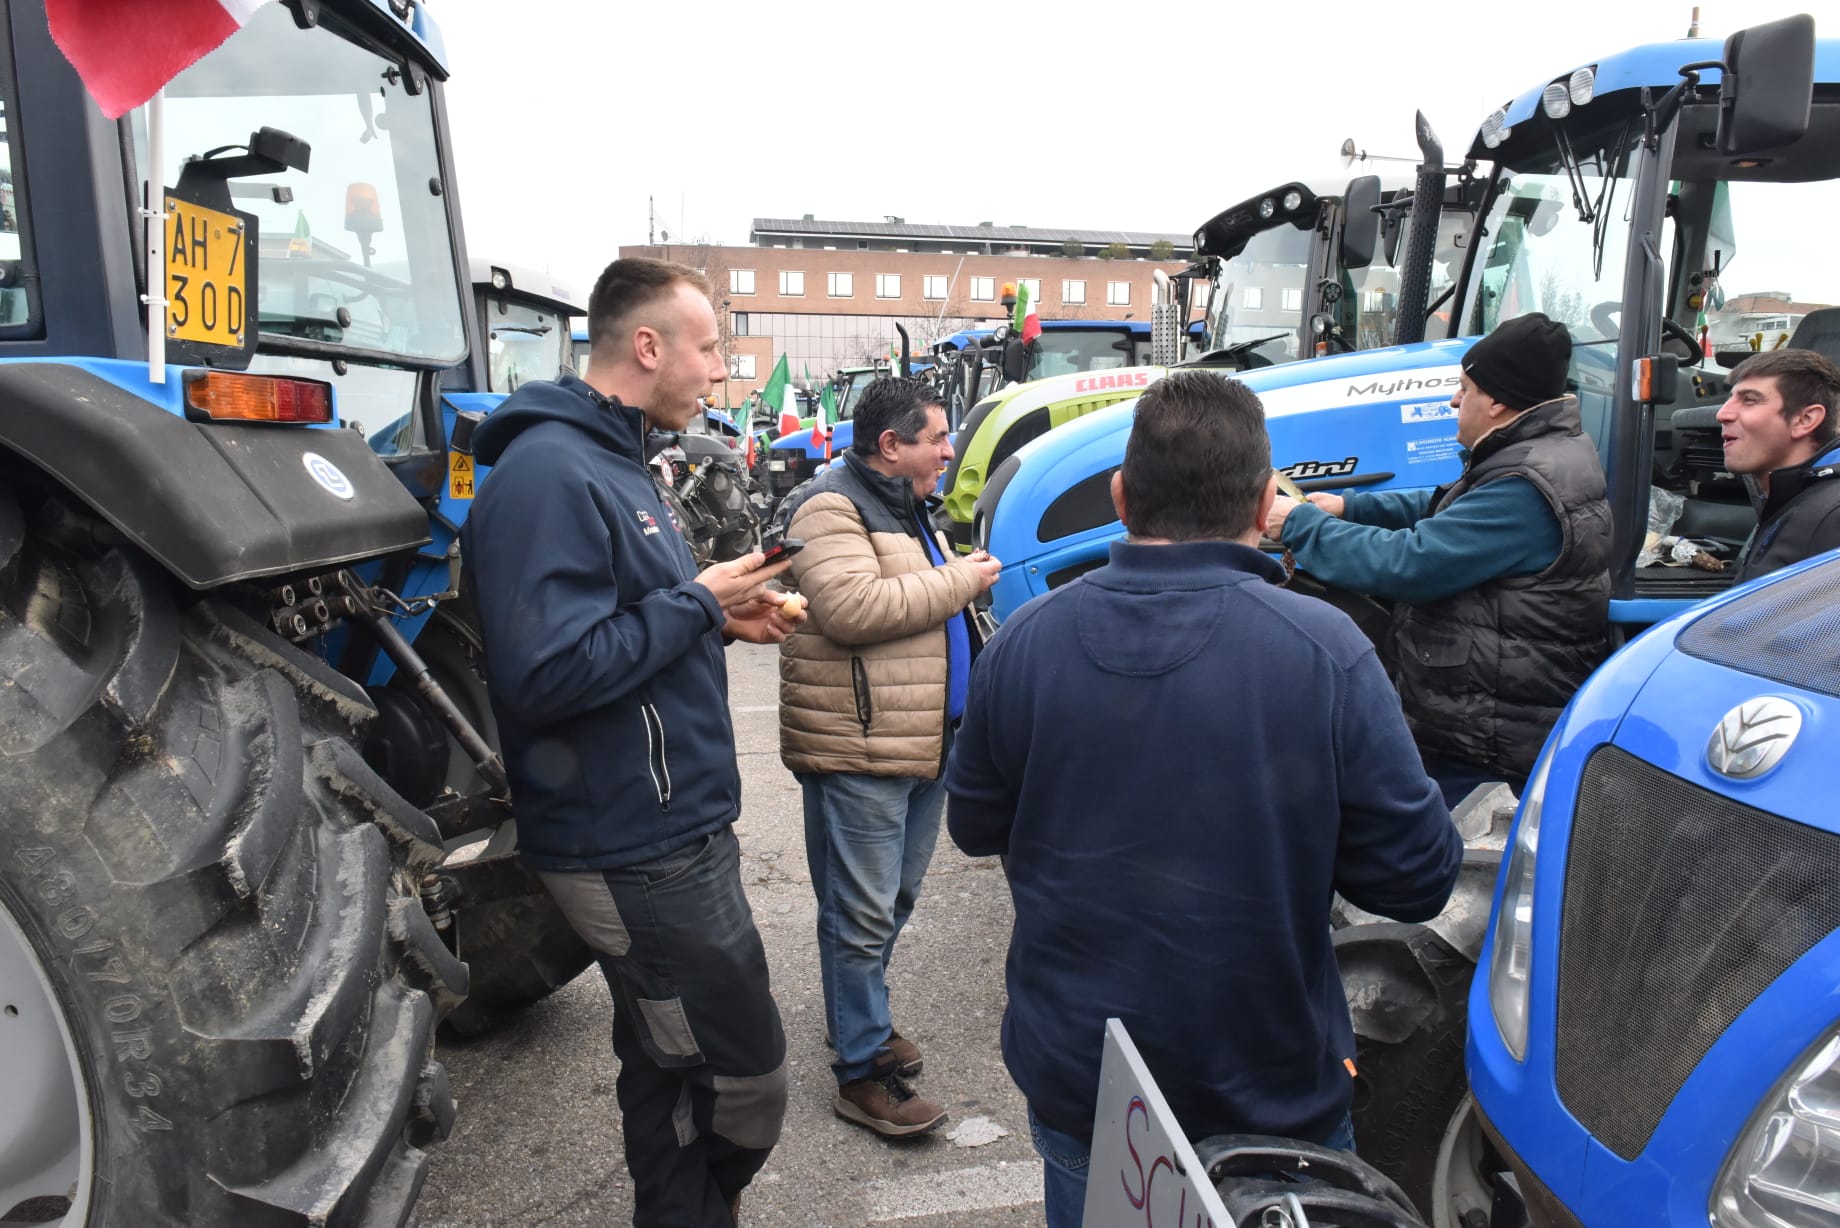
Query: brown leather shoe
x=906 y=1054
x=887 y=1106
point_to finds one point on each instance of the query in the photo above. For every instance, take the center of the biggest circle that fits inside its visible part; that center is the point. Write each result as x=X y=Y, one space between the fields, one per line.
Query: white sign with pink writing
x=1143 y=1173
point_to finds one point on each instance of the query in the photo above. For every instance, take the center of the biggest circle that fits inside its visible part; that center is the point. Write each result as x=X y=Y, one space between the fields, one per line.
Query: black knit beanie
x=1523 y=362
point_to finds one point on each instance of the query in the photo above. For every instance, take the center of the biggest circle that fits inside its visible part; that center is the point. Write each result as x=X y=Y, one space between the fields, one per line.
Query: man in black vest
x=1499 y=580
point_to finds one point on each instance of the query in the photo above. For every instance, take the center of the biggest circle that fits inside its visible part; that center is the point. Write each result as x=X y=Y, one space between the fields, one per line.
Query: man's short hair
x=1198 y=459
x=892 y=403
x=1803 y=378
x=626 y=289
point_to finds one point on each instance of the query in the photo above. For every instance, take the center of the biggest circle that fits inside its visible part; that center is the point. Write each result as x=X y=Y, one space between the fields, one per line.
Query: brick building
x=829 y=294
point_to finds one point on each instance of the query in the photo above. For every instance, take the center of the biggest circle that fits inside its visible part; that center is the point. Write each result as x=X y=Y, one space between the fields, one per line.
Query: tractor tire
x=1408 y=994
x=212 y=952
x=519 y=950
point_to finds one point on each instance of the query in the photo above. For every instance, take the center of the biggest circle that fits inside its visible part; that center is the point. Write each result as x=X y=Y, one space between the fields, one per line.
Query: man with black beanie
x=1499 y=580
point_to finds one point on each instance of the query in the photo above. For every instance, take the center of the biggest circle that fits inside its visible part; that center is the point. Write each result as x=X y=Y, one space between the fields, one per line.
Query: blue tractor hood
x=1373 y=420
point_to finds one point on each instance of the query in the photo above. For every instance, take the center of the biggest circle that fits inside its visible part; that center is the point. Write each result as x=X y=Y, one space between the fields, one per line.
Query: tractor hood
x=1373 y=420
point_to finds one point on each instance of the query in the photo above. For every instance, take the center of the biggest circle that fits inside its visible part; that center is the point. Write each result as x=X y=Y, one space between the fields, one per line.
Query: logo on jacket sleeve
x=647 y=525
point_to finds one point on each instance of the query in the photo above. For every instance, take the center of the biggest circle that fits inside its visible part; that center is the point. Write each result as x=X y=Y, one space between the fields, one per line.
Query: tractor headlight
x=1293 y=201
x=1582 y=86
x=1511 y=965
x=1556 y=100
x=1784 y=1170
x=1267 y=207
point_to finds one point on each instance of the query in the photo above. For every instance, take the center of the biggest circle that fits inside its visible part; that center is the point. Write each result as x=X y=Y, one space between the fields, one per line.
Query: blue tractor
x=1653 y=1036
x=256 y=833
x=1654 y=201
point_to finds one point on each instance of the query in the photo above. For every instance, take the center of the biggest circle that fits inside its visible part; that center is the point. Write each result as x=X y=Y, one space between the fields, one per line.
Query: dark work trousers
x=702 y=1083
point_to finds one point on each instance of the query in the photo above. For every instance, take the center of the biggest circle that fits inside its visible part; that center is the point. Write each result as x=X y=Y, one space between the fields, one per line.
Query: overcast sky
x=569 y=114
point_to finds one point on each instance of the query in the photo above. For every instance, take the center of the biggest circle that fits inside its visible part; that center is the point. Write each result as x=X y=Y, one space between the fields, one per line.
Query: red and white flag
x=127 y=50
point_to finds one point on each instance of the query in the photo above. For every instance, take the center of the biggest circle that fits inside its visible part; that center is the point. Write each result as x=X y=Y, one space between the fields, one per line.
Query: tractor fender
x=215 y=502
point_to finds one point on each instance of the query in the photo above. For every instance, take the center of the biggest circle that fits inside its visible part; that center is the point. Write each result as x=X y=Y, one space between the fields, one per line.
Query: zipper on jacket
x=654 y=745
x=859 y=683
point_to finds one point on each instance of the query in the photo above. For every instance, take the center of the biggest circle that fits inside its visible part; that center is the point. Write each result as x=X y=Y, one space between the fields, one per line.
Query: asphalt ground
x=537 y=1141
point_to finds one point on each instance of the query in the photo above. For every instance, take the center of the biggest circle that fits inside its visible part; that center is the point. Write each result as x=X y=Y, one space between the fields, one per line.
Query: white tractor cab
x=1273 y=288
x=524 y=319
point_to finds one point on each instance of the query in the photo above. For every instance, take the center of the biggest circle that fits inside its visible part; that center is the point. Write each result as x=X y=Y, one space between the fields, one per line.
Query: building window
x=1293 y=299
x=842 y=285
x=741 y=366
x=1118 y=293
x=1255 y=298
x=741 y=281
x=738 y=324
x=791 y=283
x=887 y=285
x=933 y=286
x=1034 y=285
x=1073 y=293
x=983 y=289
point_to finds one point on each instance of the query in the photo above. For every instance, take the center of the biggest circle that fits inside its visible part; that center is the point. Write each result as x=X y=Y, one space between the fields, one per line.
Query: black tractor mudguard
x=212 y=502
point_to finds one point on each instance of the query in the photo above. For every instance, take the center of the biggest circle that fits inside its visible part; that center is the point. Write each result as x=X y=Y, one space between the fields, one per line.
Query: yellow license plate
x=459 y=475
x=207 y=275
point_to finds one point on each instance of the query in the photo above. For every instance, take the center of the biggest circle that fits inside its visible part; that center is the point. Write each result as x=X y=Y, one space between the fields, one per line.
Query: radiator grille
x=1681 y=906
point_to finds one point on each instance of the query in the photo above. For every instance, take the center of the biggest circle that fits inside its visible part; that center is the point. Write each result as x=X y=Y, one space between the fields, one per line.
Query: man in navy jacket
x=1182 y=763
x=607 y=678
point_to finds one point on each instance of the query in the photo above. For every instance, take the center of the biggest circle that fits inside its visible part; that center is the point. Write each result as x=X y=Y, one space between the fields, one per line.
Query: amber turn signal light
x=226 y=396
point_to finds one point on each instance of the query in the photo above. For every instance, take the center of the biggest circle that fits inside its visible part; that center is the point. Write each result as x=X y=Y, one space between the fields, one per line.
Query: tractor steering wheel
x=1603 y=318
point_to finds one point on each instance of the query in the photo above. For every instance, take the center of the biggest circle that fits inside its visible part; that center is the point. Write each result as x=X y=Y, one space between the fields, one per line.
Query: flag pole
x=153 y=212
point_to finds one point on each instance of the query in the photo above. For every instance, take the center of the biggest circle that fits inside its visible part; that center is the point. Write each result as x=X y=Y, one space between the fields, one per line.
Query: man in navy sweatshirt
x=1500 y=580
x=1182 y=763
x=604 y=658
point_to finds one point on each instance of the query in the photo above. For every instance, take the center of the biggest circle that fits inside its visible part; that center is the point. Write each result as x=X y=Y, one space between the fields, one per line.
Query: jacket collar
x=1558 y=416
x=896 y=493
x=1787 y=483
x=1139 y=568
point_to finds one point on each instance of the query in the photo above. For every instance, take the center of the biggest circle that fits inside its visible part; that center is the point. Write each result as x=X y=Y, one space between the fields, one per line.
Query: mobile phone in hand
x=785 y=548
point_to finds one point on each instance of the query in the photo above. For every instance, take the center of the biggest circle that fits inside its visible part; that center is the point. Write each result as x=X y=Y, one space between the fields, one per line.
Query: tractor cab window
x=17 y=309
x=1257 y=296
x=1070 y=351
x=1546 y=247
x=523 y=342
x=356 y=252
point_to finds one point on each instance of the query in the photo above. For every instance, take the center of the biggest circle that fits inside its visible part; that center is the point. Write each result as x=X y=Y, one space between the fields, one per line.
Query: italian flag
x=820 y=426
x=778 y=394
x=1027 y=321
x=127 y=50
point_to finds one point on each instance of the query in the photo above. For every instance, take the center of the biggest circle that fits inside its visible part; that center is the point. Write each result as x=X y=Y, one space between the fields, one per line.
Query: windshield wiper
x=535 y=330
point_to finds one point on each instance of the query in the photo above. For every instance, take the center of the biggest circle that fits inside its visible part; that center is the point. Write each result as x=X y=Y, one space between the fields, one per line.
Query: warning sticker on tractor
x=459 y=475
x=1430 y=451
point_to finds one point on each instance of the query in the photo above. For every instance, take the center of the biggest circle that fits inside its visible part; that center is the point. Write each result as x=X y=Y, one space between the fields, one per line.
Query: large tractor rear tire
x=1408 y=993
x=213 y=961
x=518 y=950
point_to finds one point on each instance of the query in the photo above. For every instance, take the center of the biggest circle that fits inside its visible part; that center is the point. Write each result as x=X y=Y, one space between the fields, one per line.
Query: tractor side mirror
x=1360 y=221
x=1015 y=360
x=1768 y=86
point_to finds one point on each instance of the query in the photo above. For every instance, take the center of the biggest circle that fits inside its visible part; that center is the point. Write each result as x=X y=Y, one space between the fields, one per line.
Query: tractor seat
x=1819 y=331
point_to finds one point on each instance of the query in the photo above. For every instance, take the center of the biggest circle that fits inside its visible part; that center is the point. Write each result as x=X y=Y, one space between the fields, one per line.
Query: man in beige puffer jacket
x=871 y=686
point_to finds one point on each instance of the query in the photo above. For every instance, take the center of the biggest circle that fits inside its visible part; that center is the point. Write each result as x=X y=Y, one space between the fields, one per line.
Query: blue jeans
x=1064 y=1160
x=868 y=841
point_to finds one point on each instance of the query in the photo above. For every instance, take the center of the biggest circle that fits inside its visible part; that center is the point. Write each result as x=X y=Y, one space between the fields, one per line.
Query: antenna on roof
x=1693 y=30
